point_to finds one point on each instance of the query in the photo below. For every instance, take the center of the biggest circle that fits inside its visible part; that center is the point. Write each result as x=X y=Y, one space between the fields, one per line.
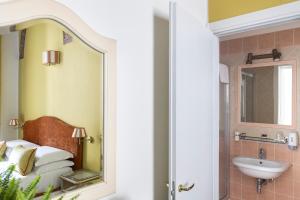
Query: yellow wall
x=71 y=91
x=222 y=9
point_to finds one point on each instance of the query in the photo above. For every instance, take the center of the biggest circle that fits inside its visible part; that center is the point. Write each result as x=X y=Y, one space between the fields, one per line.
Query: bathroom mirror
x=267 y=94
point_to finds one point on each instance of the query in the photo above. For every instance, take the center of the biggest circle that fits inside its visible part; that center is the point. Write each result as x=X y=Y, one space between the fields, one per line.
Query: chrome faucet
x=262 y=153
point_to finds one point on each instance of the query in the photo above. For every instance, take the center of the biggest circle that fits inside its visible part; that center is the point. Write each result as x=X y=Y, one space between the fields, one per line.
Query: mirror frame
x=17 y=11
x=293 y=63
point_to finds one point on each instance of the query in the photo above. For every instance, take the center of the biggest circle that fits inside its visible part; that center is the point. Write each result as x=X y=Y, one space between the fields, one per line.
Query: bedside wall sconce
x=50 y=57
x=80 y=134
x=15 y=123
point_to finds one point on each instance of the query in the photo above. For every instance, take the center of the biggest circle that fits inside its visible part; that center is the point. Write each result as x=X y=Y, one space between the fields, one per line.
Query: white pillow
x=46 y=154
x=53 y=166
x=13 y=143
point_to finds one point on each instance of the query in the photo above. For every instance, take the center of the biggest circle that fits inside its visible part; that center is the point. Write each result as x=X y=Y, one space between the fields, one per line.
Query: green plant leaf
x=32 y=186
x=11 y=191
x=75 y=197
x=20 y=195
x=6 y=177
x=47 y=194
x=10 y=188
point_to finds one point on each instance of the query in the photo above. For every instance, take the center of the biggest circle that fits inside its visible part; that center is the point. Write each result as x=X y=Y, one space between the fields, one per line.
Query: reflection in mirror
x=52 y=89
x=266 y=94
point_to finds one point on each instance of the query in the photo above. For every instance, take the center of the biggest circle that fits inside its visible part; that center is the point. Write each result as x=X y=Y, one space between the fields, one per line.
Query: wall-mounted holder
x=263 y=138
x=275 y=55
x=293 y=141
x=89 y=139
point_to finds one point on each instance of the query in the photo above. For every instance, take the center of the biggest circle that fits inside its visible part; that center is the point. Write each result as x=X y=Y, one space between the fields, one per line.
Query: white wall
x=131 y=24
x=9 y=84
x=197 y=8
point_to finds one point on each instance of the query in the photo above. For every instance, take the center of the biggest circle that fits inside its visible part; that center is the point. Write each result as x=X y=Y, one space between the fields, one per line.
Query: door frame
x=287 y=16
x=253 y=21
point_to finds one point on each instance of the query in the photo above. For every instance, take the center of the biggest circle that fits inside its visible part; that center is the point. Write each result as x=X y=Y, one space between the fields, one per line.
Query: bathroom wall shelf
x=243 y=136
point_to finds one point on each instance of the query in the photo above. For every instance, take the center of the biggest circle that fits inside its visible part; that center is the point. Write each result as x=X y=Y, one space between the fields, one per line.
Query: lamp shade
x=14 y=122
x=79 y=133
x=50 y=57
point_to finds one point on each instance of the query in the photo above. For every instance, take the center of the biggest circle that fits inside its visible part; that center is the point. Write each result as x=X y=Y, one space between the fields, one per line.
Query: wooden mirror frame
x=293 y=63
x=18 y=11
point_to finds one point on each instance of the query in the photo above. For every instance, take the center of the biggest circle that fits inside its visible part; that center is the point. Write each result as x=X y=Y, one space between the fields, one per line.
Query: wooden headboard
x=51 y=131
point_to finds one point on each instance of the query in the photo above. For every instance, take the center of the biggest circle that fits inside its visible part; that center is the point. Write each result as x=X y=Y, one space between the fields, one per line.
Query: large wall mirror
x=52 y=96
x=267 y=94
x=58 y=100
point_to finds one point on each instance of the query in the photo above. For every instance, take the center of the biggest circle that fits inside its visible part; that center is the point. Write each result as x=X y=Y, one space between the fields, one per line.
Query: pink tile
x=266 y=41
x=233 y=198
x=231 y=157
x=235 y=190
x=250 y=44
x=223 y=48
x=296 y=172
x=297 y=36
x=284 y=38
x=266 y=195
x=235 y=175
x=249 y=193
x=282 y=153
x=297 y=189
x=249 y=148
x=284 y=186
x=269 y=187
x=235 y=148
x=296 y=157
x=235 y=46
x=282 y=197
x=248 y=181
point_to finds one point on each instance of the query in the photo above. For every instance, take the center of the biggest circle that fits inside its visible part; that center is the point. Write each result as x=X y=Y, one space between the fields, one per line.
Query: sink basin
x=258 y=168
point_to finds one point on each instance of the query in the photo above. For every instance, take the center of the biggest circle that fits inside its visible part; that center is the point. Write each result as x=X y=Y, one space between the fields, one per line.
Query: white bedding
x=48 y=178
x=45 y=155
x=52 y=161
x=13 y=143
x=53 y=166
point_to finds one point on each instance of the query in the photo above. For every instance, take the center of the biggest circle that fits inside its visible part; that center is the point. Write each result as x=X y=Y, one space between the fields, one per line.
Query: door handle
x=184 y=188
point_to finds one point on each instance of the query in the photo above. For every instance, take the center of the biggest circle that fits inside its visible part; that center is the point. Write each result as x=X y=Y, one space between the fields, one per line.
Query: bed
x=47 y=178
x=51 y=132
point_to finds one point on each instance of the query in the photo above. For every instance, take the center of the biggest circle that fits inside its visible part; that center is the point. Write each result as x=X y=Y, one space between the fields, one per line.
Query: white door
x=193 y=106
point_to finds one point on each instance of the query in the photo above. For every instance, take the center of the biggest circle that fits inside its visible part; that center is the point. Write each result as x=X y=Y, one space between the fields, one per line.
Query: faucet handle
x=264 y=135
x=262 y=153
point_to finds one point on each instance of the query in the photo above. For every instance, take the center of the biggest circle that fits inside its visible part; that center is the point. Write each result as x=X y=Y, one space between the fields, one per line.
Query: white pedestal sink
x=258 y=168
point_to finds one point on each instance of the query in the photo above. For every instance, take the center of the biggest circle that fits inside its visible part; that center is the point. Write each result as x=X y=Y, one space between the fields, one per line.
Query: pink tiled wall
x=286 y=187
x=266 y=41
x=234 y=53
